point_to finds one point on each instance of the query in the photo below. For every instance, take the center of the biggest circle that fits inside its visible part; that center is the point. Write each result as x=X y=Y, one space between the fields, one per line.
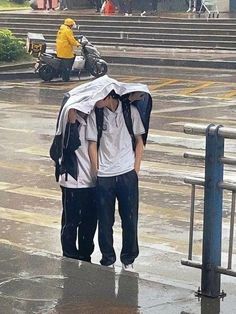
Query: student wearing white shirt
x=115 y=165
x=79 y=216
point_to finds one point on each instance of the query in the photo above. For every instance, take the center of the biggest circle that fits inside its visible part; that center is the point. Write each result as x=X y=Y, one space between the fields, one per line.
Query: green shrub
x=11 y=48
x=18 y=1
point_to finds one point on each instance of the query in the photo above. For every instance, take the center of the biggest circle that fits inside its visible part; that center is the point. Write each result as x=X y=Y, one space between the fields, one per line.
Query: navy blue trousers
x=124 y=188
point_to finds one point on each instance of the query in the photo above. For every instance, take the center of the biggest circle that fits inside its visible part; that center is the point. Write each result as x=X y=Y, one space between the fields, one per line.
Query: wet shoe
x=128 y=267
x=107 y=262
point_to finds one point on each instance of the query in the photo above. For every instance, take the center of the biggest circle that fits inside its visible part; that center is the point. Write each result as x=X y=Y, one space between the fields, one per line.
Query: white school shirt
x=115 y=154
x=84 y=179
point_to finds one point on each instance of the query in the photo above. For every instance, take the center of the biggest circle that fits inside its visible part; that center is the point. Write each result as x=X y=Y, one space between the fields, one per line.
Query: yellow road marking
x=190 y=108
x=35 y=150
x=17 y=130
x=31 y=191
x=30 y=218
x=191 y=90
x=230 y=94
x=232 y=122
x=154 y=87
x=26 y=168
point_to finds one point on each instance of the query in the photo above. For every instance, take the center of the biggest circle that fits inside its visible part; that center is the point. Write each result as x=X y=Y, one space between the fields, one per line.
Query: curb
x=9 y=67
x=128 y=62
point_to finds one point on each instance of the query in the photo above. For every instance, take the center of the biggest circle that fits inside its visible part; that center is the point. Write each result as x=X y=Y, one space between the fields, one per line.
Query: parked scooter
x=48 y=66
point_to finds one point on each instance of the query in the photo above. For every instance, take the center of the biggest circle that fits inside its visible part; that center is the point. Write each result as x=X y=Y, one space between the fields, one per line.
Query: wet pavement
x=34 y=279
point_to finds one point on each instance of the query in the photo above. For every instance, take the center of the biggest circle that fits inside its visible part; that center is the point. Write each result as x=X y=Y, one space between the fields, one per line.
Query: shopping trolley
x=210 y=6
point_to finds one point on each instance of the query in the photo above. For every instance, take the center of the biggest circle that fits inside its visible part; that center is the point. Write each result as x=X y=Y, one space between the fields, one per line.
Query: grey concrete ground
x=34 y=279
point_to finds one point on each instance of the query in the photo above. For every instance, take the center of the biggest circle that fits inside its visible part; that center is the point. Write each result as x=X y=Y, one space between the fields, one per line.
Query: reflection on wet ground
x=30 y=199
x=34 y=283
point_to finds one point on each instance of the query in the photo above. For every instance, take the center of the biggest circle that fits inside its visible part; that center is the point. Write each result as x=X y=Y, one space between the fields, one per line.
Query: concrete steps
x=119 y=31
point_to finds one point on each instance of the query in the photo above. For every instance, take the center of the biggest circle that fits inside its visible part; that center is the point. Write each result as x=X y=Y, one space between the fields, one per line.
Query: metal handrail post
x=231 y=236
x=190 y=248
x=212 y=225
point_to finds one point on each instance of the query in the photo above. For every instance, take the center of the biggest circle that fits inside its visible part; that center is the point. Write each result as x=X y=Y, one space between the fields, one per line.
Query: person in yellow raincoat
x=65 y=43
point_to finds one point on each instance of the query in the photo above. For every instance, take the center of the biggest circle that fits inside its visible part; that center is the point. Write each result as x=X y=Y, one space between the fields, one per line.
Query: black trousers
x=145 y=5
x=98 y=5
x=66 y=66
x=124 y=188
x=78 y=223
x=128 y=4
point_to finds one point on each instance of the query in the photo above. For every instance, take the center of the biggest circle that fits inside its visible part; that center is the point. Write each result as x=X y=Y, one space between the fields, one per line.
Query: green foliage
x=11 y=48
x=10 y=4
x=18 y=1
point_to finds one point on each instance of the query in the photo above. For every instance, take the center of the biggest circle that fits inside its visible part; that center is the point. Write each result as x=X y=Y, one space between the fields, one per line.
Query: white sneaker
x=188 y=10
x=194 y=10
x=143 y=13
x=65 y=9
x=126 y=14
x=111 y=266
x=129 y=267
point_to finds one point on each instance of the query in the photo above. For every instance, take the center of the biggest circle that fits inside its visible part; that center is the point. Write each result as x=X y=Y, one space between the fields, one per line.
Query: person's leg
x=66 y=65
x=189 y=5
x=154 y=5
x=98 y=5
x=106 y=196
x=121 y=6
x=87 y=223
x=194 y=5
x=49 y=4
x=128 y=6
x=127 y=195
x=69 y=222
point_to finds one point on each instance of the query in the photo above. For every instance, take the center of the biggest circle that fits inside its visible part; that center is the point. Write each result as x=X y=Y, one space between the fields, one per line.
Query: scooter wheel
x=99 y=69
x=46 y=73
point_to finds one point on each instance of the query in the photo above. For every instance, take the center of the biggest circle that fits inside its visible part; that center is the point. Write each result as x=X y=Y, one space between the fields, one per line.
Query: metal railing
x=213 y=185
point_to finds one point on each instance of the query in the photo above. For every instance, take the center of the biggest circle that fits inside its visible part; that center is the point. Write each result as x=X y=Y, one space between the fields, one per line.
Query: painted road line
x=155 y=87
x=17 y=130
x=190 y=90
x=182 y=123
x=190 y=108
x=31 y=191
x=36 y=150
x=31 y=218
x=24 y=168
x=230 y=94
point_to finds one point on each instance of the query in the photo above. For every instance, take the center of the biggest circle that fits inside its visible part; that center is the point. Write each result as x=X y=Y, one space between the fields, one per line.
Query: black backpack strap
x=99 y=122
x=128 y=120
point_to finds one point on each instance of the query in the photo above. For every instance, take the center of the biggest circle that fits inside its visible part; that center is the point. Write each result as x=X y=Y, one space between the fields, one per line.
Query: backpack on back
x=127 y=117
x=144 y=108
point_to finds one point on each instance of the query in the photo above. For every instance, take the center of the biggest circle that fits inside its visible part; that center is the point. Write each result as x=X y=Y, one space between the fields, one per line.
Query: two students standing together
x=99 y=165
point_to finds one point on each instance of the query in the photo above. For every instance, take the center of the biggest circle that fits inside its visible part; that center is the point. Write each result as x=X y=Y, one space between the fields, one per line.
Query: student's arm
x=93 y=155
x=138 y=153
x=71 y=138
